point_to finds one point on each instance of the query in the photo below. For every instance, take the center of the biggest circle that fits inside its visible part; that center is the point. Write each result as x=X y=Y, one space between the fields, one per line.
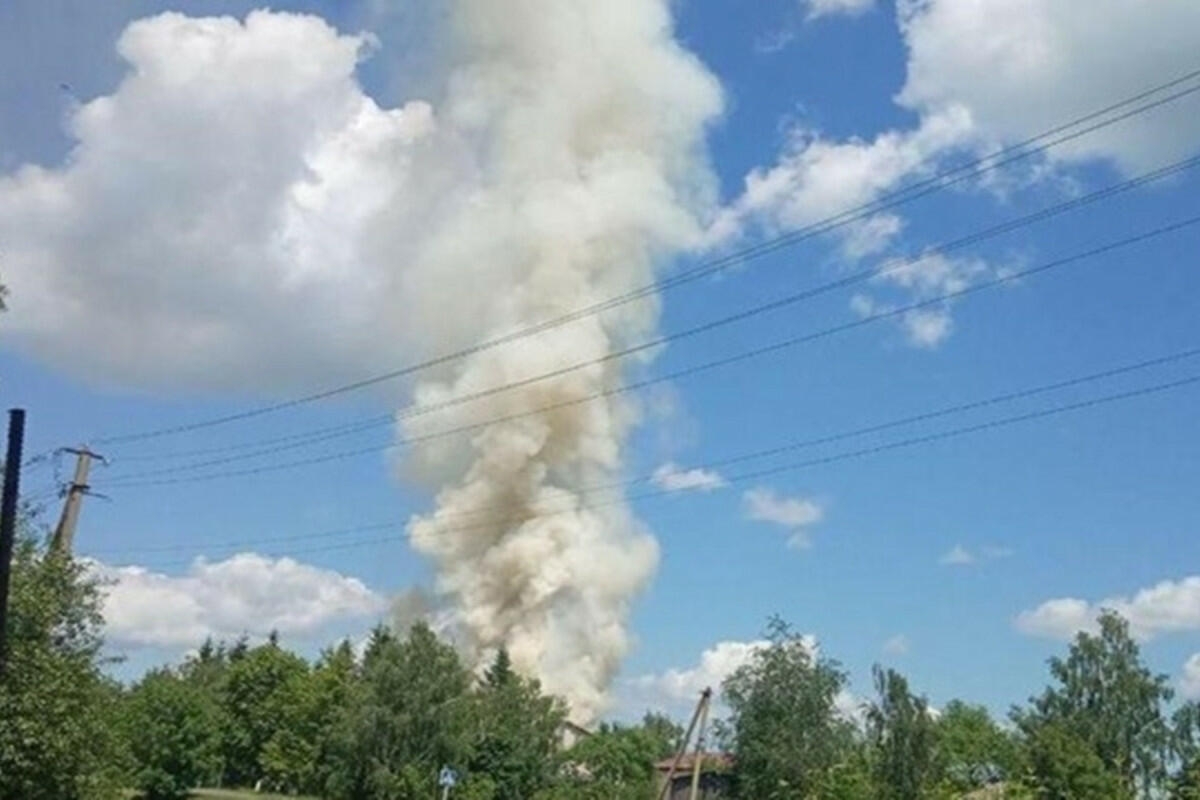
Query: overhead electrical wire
x=300 y=440
x=745 y=355
x=1025 y=149
x=755 y=475
x=774 y=450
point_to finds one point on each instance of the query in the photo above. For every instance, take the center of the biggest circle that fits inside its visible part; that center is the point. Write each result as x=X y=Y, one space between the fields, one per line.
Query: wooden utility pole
x=701 y=707
x=8 y=519
x=64 y=534
x=698 y=758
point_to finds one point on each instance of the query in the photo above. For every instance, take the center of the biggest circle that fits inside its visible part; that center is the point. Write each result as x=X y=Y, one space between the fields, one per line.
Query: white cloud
x=1189 y=682
x=674 y=479
x=980 y=75
x=823 y=8
x=715 y=665
x=1023 y=66
x=897 y=645
x=927 y=328
x=247 y=593
x=218 y=198
x=816 y=177
x=1167 y=607
x=852 y=707
x=959 y=556
x=924 y=278
x=793 y=513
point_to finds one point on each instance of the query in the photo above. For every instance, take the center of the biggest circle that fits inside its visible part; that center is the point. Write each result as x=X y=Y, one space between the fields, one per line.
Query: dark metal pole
x=8 y=519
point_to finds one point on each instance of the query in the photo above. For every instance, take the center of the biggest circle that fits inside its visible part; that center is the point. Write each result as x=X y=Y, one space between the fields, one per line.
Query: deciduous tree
x=174 y=731
x=1105 y=702
x=784 y=726
x=56 y=740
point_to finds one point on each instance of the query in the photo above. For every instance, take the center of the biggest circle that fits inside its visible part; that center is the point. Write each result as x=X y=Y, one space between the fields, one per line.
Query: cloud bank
x=1167 y=607
x=246 y=594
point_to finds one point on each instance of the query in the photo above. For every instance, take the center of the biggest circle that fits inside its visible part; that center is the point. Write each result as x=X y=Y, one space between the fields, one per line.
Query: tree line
x=379 y=725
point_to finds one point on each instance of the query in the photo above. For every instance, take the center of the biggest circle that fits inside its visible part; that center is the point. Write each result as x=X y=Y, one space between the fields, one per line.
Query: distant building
x=715 y=769
x=569 y=734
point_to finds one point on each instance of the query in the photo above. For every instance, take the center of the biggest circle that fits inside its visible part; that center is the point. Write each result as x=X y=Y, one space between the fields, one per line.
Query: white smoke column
x=582 y=123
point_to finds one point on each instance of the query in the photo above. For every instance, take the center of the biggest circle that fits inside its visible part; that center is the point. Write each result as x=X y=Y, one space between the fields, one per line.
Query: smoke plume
x=585 y=124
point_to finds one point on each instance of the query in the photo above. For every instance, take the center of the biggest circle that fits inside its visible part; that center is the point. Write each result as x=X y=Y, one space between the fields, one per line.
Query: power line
x=745 y=355
x=329 y=534
x=299 y=440
x=885 y=201
x=809 y=442
x=733 y=480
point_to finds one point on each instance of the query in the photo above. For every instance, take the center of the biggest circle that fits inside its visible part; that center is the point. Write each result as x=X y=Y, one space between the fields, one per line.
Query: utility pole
x=64 y=534
x=698 y=758
x=701 y=707
x=8 y=520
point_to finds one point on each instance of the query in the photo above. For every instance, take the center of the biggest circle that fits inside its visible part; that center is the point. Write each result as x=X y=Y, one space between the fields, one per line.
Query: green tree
x=1185 y=784
x=1064 y=766
x=296 y=758
x=208 y=667
x=616 y=762
x=662 y=734
x=970 y=747
x=1107 y=701
x=784 y=727
x=56 y=742
x=404 y=720
x=174 y=730
x=516 y=732
x=253 y=693
x=902 y=738
x=850 y=779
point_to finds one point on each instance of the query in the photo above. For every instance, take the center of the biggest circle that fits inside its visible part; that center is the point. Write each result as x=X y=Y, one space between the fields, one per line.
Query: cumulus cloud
x=672 y=478
x=245 y=594
x=815 y=177
x=1022 y=66
x=897 y=645
x=1189 y=681
x=979 y=75
x=1167 y=607
x=715 y=665
x=793 y=513
x=221 y=197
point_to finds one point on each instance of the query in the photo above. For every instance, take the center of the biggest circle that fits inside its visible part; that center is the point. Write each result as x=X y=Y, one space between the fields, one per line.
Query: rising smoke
x=586 y=121
x=243 y=198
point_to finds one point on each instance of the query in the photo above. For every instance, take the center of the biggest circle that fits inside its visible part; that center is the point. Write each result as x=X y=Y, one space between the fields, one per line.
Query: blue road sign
x=447 y=777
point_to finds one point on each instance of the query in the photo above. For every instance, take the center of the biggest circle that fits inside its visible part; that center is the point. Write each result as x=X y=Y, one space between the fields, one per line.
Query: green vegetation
x=56 y=741
x=380 y=727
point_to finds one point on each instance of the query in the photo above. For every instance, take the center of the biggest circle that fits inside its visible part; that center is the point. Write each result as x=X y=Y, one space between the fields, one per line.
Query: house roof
x=712 y=761
x=578 y=730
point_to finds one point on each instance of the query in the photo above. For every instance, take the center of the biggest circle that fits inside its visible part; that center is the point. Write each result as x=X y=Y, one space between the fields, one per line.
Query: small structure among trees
x=715 y=776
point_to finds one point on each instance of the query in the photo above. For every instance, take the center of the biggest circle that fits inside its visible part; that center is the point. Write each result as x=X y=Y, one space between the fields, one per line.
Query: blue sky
x=1082 y=508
